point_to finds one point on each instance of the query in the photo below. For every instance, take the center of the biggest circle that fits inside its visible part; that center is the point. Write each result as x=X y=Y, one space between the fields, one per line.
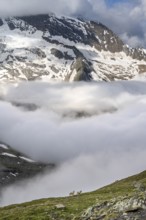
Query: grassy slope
x=44 y=209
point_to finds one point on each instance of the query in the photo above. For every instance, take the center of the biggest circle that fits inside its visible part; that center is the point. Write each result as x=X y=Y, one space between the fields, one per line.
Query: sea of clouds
x=93 y=132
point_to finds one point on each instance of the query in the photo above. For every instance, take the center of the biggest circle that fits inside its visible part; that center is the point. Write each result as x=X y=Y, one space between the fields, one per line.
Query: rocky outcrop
x=81 y=70
x=120 y=208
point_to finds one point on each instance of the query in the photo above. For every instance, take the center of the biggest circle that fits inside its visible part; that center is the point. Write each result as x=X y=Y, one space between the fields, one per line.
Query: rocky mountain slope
x=122 y=200
x=15 y=166
x=47 y=47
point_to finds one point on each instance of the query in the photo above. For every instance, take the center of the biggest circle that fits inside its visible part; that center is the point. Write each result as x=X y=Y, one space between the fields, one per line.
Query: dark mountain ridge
x=15 y=166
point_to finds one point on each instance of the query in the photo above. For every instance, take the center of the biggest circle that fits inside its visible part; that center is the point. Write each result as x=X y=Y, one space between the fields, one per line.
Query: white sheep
x=79 y=193
x=72 y=193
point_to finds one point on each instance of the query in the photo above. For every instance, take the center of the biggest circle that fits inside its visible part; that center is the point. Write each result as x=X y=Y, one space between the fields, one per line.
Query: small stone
x=88 y=212
x=60 y=206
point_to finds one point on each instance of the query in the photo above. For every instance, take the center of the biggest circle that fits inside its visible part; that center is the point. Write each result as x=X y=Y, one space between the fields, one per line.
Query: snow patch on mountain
x=60 y=48
x=8 y=155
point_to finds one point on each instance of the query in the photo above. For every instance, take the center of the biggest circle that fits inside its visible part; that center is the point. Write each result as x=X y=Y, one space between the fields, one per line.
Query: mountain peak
x=45 y=47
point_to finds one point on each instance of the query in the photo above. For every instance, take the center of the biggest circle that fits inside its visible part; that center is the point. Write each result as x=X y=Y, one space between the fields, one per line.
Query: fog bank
x=94 y=132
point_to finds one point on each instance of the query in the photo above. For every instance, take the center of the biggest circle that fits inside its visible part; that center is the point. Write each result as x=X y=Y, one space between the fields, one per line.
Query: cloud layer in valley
x=105 y=144
x=126 y=18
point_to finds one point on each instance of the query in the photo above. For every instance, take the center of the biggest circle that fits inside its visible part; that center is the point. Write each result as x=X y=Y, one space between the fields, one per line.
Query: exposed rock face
x=81 y=70
x=121 y=208
x=48 y=47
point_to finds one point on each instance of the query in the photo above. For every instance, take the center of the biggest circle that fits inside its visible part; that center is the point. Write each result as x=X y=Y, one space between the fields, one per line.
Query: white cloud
x=90 y=151
x=17 y=7
x=133 y=41
x=123 y=17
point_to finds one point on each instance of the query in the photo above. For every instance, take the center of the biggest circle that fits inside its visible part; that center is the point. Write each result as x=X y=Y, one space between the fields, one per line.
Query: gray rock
x=60 y=206
x=121 y=208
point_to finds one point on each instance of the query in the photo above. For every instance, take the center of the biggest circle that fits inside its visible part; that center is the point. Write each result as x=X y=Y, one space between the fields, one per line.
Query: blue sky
x=112 y=2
